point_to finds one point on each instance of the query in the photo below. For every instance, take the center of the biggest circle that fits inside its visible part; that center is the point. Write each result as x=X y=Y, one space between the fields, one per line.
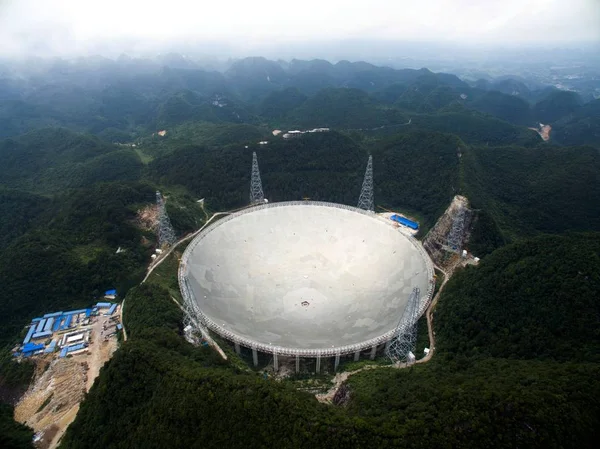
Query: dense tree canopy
x=501 y=376
x=518 y=344
x=530 y=300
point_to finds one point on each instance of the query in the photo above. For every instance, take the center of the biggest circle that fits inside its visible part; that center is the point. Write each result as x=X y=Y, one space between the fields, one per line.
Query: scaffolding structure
x=256 y=191
x=451 y=231
x=194 y=330
x=401 y=347
x=365 y=201
x=457 y=231
x=166 y=234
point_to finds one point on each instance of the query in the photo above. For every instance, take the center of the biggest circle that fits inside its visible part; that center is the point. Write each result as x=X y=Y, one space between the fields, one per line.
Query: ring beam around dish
x=304 y=278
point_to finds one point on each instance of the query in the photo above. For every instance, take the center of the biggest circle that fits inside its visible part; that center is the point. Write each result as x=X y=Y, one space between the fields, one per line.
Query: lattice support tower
x=455 y=236
x=451 y=231
x=166 y=234
x=256 y=190
x=191 y=326
x=194 y=329
x=404 y=341
x=365 y=201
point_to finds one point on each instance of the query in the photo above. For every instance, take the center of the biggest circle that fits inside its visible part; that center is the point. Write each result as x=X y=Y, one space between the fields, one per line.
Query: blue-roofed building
x=50 y=348
x=40 y=325
x=30 y=333
x=41 y=334
x=405 y=221
x=74 y=348
x=30 y=348
x=74 y=312
x=42 y=330
x=49 y=323
x=112 y=292
x=119 y=326
x=57 y=323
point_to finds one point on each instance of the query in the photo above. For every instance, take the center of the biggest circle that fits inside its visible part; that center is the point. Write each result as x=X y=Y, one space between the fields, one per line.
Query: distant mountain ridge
x=138 y=96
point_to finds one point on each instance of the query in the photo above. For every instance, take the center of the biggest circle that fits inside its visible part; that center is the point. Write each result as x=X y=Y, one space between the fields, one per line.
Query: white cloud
x=65 y=26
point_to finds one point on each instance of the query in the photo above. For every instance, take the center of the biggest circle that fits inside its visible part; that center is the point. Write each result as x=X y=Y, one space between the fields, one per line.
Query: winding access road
x=164 y=255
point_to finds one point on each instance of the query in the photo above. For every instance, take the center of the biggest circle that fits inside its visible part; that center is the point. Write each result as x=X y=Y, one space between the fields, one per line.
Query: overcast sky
x=68 y=27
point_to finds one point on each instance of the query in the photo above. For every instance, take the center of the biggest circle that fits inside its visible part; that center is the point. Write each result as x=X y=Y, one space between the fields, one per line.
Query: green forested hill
x=60 y=252
x=531 y=300
x=71 y=257
x=187 y=105
x=323 y=166
x=278 y=104
x=204 y=134
x=500 y=376
x=475 y=128
x=508 y=334
x=517 y=362
x=136 y=97
x=159 y=391
x=343 y=108
x=418 y=171
x=523 y=190
x=530 y=190
x=506 y=107
x=493 y=403
x=555 y=105
x=581 y=127
x=53 y=159
x=13 y=435
x=18 y=213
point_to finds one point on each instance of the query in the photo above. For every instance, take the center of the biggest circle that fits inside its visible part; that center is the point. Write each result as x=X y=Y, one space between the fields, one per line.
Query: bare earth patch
x=52 y=400
x=147 y=218
x=543 y=131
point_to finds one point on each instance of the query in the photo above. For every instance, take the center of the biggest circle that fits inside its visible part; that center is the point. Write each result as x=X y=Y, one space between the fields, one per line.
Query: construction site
x=447 y=240
x=68 y=350
x=65 y=333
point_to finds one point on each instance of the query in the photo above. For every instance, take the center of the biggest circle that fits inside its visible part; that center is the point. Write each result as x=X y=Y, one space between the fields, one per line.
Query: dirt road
x=100 y=351
x=164 y=255
x=52 y=400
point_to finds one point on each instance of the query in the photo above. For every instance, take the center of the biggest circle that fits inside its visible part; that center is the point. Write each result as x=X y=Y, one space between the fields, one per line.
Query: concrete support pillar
x=237 y=348
x=275 y=361
x=318 y=370
x=297 y=364
x=255 y=356
x=373 y=352
x=356 y=356
x=337 y=362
